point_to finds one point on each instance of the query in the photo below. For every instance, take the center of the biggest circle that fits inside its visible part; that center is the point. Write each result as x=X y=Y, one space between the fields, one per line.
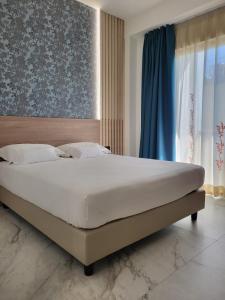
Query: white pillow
x=29 y=153
x=84 y=150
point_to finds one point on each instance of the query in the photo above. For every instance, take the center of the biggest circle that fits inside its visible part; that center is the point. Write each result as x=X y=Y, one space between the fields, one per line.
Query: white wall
x=167 y=12
x=133 y=71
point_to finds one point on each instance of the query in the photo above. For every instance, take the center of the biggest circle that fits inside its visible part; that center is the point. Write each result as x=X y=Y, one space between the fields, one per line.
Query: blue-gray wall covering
x=47 y=58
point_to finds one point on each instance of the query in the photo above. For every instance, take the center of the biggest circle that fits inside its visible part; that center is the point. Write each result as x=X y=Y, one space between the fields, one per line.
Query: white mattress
x=91 y=192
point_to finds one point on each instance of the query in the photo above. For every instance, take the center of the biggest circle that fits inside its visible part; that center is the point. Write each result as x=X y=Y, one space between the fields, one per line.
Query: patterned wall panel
x=47 y=58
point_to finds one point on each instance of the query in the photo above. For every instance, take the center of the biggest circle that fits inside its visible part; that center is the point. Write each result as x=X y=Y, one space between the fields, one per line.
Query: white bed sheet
x=88 y=193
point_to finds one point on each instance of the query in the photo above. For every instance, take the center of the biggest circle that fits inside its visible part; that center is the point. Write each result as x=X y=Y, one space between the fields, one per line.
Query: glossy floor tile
x=193 y=282
x=211 y=220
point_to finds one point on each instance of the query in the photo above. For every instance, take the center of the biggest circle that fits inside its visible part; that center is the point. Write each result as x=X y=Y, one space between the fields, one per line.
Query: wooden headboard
x=54 y=131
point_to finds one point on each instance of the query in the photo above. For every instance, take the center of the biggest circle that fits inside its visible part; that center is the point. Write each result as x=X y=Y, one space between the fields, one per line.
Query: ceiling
x=126 y=8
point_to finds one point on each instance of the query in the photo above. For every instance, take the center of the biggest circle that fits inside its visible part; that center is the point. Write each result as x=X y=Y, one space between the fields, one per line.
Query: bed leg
x=194 y=217
x=4 y=206
x=89 y=270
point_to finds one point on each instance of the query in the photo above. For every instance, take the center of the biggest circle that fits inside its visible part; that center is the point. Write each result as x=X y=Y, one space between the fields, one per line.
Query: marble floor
x=183 y=262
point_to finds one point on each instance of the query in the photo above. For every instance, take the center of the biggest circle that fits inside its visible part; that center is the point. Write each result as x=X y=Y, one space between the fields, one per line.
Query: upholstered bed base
x=89 y=246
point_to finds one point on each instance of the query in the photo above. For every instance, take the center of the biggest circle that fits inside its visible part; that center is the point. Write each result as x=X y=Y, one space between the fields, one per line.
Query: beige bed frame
x=91 y=245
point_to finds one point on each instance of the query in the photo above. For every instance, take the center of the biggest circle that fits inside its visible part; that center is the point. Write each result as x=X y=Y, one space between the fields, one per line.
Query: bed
x=94 y=207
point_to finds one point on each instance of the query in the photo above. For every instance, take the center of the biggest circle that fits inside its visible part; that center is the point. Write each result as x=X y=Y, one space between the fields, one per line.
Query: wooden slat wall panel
x=112 y=82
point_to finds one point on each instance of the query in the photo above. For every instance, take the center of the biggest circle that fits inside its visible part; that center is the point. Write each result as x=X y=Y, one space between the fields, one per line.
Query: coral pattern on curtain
x=200 y=96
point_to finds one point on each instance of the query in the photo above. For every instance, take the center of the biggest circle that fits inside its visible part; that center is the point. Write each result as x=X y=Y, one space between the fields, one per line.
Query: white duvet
x=88 y=193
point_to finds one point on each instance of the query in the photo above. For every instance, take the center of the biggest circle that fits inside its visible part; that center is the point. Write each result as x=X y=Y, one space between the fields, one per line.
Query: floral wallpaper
x=47 y=58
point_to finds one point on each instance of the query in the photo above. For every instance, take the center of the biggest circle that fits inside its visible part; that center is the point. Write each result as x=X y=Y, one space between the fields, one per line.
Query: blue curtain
x=157 y=112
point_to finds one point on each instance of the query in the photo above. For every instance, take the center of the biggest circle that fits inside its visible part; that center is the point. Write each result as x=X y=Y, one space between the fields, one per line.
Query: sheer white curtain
x=200 y=96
